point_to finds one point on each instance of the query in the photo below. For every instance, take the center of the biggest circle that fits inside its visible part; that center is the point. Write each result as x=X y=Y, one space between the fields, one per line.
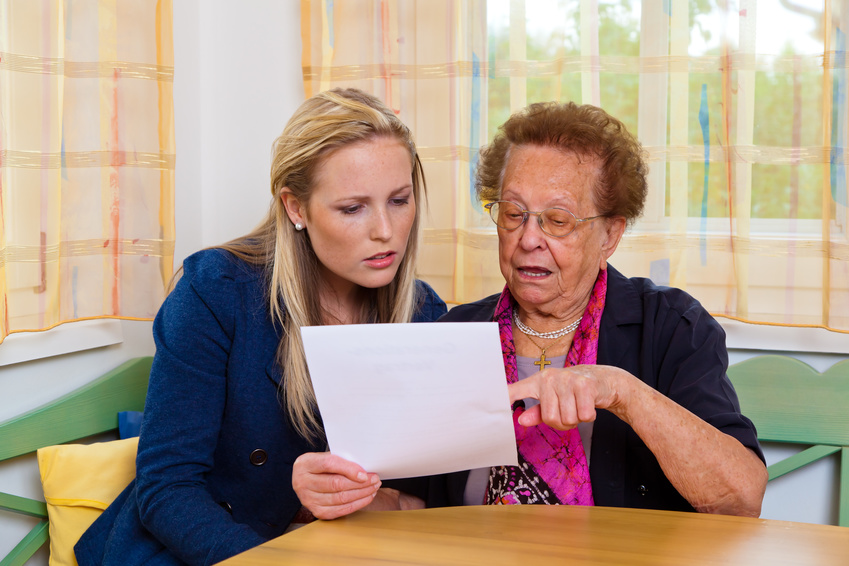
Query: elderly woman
x=619 y=389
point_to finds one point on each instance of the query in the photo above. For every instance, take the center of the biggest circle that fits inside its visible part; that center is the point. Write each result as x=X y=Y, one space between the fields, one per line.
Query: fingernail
x=362 y=476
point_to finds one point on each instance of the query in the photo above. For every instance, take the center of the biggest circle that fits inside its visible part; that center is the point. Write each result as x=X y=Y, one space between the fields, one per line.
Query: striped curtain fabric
x=741 y=107
x=86 y=160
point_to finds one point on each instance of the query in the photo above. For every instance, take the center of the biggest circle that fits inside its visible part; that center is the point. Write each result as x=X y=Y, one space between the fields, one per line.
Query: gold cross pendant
x=542 y=362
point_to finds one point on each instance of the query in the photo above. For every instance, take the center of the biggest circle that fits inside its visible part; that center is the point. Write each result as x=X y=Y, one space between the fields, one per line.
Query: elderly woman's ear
x=615 y=228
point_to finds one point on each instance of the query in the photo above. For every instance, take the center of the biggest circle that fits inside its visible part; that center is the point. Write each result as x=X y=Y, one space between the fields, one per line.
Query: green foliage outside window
x=787 y=111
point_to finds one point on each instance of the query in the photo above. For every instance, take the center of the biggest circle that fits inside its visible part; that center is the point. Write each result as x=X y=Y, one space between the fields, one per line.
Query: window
x=741 y=107
x=86 y=161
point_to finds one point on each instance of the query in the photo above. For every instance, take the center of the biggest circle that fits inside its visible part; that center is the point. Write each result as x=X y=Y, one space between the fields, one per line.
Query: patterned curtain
x=741 y=106
x=86 y=160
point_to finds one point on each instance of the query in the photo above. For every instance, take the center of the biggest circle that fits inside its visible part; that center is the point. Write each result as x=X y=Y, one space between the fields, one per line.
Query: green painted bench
x=791 y=402
x=89 y=410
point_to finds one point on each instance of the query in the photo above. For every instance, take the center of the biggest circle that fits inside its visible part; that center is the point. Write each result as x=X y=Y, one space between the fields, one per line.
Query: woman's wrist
x=409 y=502
x=626 y=393
x=388 y=499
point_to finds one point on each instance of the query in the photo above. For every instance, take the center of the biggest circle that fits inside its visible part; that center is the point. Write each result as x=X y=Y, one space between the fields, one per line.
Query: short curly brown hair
x=585 y=130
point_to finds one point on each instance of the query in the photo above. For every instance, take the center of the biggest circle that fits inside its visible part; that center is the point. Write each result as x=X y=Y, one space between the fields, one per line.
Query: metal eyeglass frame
x=526 y=213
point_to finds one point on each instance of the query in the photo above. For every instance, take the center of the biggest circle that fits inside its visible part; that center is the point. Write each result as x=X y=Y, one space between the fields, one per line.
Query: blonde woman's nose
x=381 y=225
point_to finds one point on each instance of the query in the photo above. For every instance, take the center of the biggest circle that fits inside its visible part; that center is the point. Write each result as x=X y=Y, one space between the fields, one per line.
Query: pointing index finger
x=522 y=390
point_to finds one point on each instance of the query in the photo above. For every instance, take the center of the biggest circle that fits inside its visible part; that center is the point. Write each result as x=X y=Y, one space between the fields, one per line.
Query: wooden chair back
x=90 y=410
x=791 y=402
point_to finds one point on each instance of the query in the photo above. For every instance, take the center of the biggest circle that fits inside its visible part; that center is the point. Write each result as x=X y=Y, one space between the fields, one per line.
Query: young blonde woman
x=230 y=405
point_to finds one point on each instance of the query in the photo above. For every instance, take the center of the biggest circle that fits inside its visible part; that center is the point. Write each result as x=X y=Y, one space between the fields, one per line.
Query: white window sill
x=63 y=339
x=744 y=336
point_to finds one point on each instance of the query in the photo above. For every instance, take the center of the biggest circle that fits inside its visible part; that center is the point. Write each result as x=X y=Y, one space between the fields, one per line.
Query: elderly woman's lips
x=534 y=271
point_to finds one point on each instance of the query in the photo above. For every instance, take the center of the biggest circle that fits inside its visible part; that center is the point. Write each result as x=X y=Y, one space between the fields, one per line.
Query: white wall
x=237 y=79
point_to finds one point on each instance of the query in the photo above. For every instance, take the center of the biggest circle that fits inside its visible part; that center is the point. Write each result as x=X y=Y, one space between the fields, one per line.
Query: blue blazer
x=214 y=467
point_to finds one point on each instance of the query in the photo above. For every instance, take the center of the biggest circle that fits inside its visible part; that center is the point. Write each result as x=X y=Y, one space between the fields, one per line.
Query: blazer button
x=643 y=490
x=258 y=457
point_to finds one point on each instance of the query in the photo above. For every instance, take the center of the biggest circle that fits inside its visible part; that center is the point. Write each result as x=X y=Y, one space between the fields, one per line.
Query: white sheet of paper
x=404 y=400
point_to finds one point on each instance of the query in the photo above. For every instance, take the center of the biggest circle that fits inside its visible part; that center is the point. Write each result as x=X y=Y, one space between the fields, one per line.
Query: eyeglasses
x=557 y=222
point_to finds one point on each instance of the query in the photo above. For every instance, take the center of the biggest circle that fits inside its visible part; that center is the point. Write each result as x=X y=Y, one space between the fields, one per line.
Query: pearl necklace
x=547 y=335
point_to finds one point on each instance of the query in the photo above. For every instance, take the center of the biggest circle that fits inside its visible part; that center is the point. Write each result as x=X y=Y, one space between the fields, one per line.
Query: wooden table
x=524 y=534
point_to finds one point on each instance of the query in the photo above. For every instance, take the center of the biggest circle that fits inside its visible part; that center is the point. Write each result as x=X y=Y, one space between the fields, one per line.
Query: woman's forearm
x=710 y=469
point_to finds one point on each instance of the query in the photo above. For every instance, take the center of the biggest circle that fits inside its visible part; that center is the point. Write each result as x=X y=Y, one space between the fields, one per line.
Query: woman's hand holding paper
x=330 y=486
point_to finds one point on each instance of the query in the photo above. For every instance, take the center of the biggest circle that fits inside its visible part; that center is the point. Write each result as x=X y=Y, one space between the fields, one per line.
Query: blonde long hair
x=323 y=123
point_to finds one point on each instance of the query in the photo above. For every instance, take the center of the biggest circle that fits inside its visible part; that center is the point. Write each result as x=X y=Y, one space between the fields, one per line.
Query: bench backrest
x=791 y=402
x=90 y=410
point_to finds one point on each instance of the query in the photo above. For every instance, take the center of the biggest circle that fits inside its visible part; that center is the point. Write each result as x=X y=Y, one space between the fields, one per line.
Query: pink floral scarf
x=552 y=465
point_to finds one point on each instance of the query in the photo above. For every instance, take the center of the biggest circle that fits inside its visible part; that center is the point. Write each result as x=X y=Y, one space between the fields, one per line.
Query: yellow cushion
x=80 y=481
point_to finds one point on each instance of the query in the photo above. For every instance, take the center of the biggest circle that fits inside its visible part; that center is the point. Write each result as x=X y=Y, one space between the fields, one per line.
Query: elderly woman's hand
x=330 y=486
x=568 y=396
x=727 y=478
